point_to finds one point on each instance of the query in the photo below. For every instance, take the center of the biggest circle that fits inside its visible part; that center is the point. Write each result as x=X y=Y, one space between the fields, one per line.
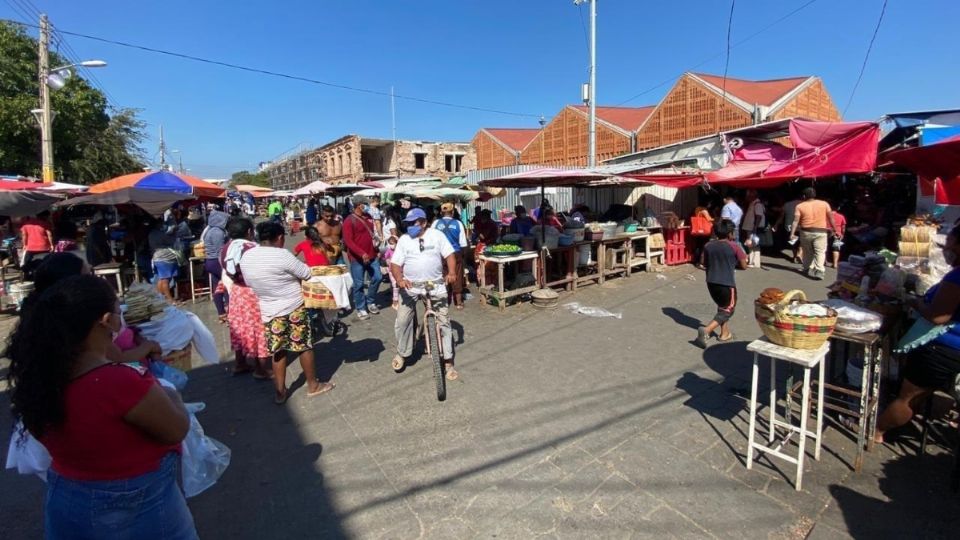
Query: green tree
x=91 y=141
x=248 y=178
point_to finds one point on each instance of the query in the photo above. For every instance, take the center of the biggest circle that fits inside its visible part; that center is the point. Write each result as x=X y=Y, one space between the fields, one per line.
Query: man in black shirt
x=721 y=257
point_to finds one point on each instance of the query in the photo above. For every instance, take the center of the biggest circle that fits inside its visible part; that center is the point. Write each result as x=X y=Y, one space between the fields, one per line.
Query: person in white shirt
x=275 y=274
x=419 y=257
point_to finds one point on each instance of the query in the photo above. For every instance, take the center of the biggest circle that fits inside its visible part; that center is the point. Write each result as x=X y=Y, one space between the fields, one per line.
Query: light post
x=592 y=136
x=51 y=79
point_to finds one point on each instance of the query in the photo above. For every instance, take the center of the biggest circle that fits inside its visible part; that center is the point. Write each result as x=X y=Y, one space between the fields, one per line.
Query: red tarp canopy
x=937 y=165
x=818 y=149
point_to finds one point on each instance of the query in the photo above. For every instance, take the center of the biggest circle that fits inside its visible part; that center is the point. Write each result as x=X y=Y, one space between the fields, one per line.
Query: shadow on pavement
x=916 y=501
x=681 y=318
x=273 y=487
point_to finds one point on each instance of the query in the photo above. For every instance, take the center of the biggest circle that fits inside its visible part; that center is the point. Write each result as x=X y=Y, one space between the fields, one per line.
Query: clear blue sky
x=526 y=56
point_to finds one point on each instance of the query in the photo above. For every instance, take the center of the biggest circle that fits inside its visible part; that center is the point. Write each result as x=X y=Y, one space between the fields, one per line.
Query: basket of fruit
x=502 y=250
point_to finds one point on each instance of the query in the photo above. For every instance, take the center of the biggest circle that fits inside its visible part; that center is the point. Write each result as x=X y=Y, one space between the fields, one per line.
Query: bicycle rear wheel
x=432 y=332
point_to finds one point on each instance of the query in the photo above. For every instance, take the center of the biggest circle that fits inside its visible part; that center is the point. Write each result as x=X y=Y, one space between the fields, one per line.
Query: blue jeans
x=358 y=272
x=143 y=507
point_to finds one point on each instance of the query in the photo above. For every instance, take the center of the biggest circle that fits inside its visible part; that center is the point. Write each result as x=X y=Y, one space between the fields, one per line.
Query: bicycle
x=433 y=338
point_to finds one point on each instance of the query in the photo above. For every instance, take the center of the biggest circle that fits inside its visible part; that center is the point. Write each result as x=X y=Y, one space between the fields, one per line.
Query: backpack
x=451 y=228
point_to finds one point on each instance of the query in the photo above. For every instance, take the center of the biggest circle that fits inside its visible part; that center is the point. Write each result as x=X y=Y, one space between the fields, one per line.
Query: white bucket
x=583 y=255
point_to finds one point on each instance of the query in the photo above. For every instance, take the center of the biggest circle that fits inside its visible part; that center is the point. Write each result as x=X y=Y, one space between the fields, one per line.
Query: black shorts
x=932 y=366
x=726 y=299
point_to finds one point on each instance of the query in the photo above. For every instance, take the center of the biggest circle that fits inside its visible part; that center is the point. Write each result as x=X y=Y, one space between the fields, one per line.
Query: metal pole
x=592 y=158
x=163 y=152
x=393 y=127
x=46 y=116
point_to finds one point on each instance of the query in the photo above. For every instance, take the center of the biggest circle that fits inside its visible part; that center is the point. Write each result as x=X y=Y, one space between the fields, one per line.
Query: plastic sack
x=589 y=311
x=166 y=372
x=26 y=454
x=203 y=458
x=854 y=319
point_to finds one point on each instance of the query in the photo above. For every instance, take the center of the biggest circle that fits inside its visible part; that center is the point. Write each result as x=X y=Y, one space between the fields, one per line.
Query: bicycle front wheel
x=433 y=335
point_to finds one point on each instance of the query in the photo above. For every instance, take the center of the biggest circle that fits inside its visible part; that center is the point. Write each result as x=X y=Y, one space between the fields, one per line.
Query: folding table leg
x=753 y=411
x=820 y=395
x=864 y=420
x=773 y=399
x=804 y=414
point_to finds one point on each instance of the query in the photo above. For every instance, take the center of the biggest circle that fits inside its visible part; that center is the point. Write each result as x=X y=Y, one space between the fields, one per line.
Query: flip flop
x=731 y=338
x=280 y=400
x=323 y=389
x=452 y=374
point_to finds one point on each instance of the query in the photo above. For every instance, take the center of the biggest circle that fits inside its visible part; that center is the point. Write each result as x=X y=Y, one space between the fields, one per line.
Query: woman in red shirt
x=313 y=249
x=113 y=432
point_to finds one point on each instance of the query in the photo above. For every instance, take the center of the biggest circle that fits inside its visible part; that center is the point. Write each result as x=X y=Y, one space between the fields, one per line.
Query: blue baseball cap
x=415 y=214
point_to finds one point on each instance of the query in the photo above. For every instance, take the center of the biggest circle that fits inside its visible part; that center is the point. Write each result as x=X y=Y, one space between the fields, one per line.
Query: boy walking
x=721 y=257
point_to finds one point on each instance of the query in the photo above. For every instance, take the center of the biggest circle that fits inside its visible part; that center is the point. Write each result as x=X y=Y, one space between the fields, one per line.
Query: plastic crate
x=676 y=236
x=675 y=254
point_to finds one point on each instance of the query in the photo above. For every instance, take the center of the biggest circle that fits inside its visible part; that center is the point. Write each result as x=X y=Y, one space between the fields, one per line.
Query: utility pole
x=46 y=115
x=393 y=124
x=591 y=90
x=592 y=161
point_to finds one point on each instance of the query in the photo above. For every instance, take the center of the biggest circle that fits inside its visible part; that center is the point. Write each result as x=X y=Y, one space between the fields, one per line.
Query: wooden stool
x=807 y=359
x=199 y=291
x=110 y=269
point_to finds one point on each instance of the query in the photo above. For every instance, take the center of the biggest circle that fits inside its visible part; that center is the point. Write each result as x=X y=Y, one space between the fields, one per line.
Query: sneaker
x=372 y=308
x=817 y=275
x=362 y=315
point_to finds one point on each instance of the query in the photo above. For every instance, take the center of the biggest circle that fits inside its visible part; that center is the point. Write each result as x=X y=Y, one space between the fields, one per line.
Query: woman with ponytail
x=112 y=431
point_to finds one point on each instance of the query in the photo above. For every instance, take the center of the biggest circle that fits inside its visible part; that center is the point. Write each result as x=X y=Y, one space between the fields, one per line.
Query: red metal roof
x=627 y=118
x=516 y=138
x=755 y=92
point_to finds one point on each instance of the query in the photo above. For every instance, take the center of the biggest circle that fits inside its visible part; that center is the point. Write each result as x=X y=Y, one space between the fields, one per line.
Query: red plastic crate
x=676 y=236
x=678 y=254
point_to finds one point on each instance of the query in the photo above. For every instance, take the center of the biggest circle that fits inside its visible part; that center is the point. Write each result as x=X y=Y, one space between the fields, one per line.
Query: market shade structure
x=317 y=186
x=256 y=190
x=162 y=181
x=938 y=160
x=547 y=177
x=153 y=202
x=25 y=198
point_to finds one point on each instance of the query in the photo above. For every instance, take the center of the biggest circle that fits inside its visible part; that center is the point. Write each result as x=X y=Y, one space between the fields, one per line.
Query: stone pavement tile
x=486 y=509
x=667 y=522
x=571 y=458
x=822 y=531
x=541 y=516
x=725 y=507
x=448 y=528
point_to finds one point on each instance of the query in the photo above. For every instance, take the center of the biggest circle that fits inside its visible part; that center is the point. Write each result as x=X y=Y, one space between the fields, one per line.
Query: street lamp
x=51 y=79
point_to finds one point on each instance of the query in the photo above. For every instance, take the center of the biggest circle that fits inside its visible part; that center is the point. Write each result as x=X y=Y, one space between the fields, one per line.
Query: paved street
x=561 y=426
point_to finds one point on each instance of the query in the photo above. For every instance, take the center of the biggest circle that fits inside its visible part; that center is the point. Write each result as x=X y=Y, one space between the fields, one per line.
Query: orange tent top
x=160 y=181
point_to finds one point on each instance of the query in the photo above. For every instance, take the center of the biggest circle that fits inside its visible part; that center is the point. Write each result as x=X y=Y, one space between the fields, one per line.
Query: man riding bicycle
x=418 y=260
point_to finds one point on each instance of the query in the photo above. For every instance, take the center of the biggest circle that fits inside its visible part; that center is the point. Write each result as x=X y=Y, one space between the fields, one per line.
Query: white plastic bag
x=590 y=311
x=204 y=459
x=26 y=454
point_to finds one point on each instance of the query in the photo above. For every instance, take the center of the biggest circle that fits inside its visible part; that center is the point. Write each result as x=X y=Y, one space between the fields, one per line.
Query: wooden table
x=868 y=396
x=569 y=278
x=201 y=290
x=619 y=246
x=499 y=292
x=110 y=269
x=648 y=254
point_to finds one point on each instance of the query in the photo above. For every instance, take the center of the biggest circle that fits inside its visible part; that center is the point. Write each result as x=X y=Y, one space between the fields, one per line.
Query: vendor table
x=644 y=257
x=201 y=290
x=569 y=278
x=808 y=360
x=868 y=397
x=499 y=292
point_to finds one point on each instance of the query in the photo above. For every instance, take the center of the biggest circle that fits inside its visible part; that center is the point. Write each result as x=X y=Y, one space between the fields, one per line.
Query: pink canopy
x=818 y=149
x=938 y=160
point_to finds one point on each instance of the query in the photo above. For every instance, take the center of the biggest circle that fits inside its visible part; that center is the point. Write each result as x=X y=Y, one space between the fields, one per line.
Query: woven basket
x=334 y=270
x=197 y=250
x=318 y=296
x=794 y=331
x=182 y=359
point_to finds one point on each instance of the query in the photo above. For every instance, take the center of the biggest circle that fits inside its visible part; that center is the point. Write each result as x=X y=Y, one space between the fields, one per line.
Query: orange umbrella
x=160 y=181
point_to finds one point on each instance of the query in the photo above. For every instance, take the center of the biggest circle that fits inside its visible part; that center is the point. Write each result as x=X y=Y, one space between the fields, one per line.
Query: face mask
x=414 y=230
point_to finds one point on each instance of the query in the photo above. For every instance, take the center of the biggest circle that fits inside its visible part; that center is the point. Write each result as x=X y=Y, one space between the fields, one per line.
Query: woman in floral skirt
x=246 y=331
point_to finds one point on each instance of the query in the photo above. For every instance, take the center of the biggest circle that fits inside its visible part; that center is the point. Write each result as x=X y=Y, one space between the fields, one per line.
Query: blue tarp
x=931 y=135
x=164 y=181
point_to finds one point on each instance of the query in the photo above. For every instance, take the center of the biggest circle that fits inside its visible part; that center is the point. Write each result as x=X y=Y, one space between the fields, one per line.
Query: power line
x=289 y=76
x=866 y=57
x=714 y=57
x=726 y=62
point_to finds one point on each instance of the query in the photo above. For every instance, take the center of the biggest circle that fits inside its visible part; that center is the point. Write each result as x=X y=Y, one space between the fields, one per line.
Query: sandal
x=262 y=376
x=452 y=374
x=281 y=399
x=322 y=389
x=241 y=369
x=398 y=363
x=222 y=318
x=731 y=337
